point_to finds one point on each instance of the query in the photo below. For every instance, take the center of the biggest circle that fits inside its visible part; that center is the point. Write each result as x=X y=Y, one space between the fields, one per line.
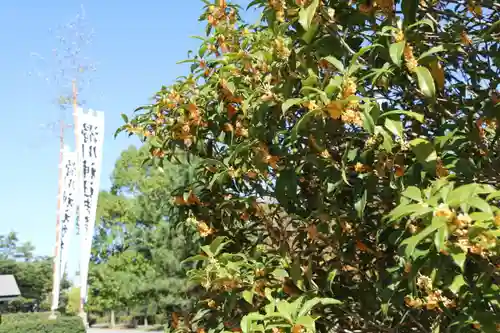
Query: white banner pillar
x=89 y=138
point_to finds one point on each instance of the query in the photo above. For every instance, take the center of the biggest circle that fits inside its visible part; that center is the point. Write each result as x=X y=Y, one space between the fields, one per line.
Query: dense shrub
x=350 y=150
x=13 y=318
x=40 y=323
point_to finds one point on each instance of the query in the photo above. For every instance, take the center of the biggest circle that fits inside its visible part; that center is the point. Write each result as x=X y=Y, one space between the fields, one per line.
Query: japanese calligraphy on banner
x=65 y=216
x=89 y=138
x=68 y=204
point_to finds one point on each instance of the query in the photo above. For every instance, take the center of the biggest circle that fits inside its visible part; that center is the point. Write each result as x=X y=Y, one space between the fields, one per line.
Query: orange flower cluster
x=204 y=229
x=411 y=61
x=384 y=6
x=399 y=35
x=191 y=200
x=496 y=221
x=349 y=88
x=459 y=225
x=282 y=51
x=481 y=245
x=227 y=94
x=386 y=163
x=240 y=129
x=481 y=123
x=266 y=157
x=433 y=299
x=218 y=14
x=279 y=7
x=441 y=170
x=465 y=38
x=350 y=113
x=474 y=8
x=444 y=211
x=361 y=168
x=211 y=304
x=157 y=152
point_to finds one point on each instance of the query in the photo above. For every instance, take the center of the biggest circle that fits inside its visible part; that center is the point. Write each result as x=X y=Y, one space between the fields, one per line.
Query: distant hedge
x=23 y=316
x=40 y=323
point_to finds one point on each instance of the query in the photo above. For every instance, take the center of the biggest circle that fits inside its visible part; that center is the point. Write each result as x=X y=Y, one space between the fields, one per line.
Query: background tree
x=73 y=304
x=347 y=150
x=139 y=243
x=33 y=273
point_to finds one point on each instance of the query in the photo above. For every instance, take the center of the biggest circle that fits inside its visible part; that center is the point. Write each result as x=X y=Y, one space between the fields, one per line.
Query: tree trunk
x=146 y=321
x=112 y=319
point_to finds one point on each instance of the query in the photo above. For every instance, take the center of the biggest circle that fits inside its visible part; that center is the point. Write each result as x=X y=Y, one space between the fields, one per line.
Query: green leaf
x=488 y=321
x=409 y=8
x=480 y=204
x=246 y=323
x=413 y=193
x=334 y=85
x=353 y=65
x=461 y=194
x=481 y=216
x=124 y=117
x=411 y=243
x=307 y=322
x=458 y=257
x=286 y=309
x=296 y=273
x=291 y=102
x=248 y=296
x=403 y=210
x=388 y=143
x=155 y=142
x=426 y=82
x=457 y=283
x=186 y=61
x=303 y=121
x=427 y=22
x=441 y=237
x=361 y=204
x=310 y=304
x=394 y=126
x=396 y=52
x=218 y=244
x=306 y=14
x=425 y=153
x=286 y=188
x=431 y=51
x=195 y=258
x=411 y=114
x=280 y=273
x=309 y=34
x=493 y=195
x=368 y=123
x=335 y=62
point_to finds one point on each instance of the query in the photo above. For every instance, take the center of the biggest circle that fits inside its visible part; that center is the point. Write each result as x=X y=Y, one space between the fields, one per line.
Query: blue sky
x=135 y=48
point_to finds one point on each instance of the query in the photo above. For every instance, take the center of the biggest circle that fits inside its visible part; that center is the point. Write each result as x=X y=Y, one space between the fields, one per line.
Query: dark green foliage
x=33 y=274
x=39 y=323
x=13 y=318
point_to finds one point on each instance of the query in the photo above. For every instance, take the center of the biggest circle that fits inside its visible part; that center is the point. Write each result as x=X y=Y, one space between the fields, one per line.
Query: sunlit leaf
x=425 y=82
x=306 y=14
x=396 y=52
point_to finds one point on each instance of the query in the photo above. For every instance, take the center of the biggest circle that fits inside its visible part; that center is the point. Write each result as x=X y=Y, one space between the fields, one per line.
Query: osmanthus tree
x=349 y=157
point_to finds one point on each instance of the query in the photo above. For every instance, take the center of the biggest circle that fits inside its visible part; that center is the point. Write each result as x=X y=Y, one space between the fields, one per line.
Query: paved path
x=100 y=330
x=106 y=330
